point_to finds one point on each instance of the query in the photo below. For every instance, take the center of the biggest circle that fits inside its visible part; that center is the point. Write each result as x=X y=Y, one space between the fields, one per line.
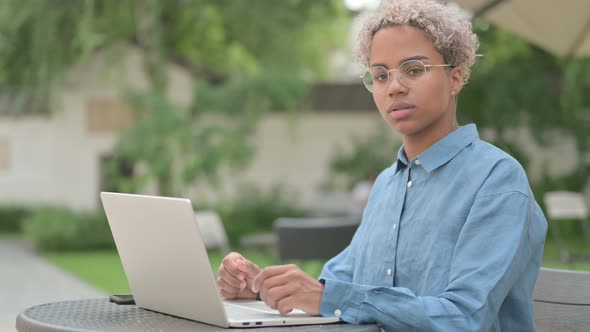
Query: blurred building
x=58 y=159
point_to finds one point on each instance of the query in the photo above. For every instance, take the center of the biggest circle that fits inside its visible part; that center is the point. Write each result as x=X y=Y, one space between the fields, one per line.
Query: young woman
x=451 y=237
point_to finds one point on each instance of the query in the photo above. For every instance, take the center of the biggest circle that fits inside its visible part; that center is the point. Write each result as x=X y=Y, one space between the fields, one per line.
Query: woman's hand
x=236 y=277
x=287 y=287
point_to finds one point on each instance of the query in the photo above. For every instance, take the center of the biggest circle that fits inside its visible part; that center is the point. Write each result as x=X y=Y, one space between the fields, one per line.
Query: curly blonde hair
x=446 y=27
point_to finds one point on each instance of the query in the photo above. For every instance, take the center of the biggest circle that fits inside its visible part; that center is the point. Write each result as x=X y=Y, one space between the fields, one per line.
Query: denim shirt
x=449 y=241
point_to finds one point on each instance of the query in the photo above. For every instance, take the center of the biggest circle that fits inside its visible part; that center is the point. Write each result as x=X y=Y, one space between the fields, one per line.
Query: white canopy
x=559 y=26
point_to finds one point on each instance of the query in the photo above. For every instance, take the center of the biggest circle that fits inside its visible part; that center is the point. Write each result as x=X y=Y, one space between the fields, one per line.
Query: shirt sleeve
x=502 y=233
x=340 y=267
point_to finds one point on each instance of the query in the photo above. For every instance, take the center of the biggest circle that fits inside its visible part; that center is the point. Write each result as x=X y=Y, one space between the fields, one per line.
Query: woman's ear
x=456 y=80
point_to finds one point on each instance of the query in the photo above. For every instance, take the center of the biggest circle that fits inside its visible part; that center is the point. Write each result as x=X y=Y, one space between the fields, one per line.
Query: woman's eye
x=415 y=71
x=381 y=77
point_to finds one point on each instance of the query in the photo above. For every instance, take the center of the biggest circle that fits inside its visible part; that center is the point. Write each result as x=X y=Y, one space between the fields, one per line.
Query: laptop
x=168 y=269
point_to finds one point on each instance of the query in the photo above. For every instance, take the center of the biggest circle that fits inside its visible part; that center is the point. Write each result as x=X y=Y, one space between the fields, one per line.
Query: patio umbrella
x=559 y=26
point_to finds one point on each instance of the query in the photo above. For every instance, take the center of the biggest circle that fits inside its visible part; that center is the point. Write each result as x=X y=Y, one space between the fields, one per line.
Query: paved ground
x=27 y=280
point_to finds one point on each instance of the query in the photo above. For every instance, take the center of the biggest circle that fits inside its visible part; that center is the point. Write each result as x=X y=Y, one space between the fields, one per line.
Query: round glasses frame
x=408 y=74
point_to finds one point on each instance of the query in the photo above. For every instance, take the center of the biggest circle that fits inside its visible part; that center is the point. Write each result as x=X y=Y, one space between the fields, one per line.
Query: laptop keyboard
x=253 y=313
x=249 y=311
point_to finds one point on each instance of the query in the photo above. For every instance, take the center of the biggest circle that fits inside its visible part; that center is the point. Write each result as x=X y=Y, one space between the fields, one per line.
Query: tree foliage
x=247 y=57
x=361 y=159
x=516 y=85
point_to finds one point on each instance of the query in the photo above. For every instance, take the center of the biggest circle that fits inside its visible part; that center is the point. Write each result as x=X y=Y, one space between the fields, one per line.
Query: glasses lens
x=375 y=79
x=368 y=80
x=411 y=72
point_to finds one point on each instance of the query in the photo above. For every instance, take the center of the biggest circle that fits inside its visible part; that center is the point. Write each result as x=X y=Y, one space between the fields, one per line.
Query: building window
x=107 y=115
x=341 y=97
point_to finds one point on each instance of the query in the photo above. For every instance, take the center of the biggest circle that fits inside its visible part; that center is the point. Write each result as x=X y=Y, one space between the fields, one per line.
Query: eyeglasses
x=409 y=73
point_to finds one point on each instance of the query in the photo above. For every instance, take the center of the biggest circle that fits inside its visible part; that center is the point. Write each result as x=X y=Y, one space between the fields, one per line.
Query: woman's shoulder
x=388 y=171
x=493 y=155
x=503 y=172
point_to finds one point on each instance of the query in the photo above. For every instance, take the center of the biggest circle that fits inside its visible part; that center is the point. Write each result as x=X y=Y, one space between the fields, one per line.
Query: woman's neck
x=415 y=144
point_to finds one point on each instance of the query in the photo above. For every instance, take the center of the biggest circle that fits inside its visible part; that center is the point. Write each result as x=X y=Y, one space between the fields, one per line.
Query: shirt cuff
x=343 y=299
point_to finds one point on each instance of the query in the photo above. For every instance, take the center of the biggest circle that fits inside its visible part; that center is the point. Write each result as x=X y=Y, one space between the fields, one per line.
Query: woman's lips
x=402 y=113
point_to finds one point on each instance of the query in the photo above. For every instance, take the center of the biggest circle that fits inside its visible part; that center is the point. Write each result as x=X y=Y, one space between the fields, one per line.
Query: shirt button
x=417 y=162
x=394 y=227
x=409 y=183
x=388 y=272
x=338 y=312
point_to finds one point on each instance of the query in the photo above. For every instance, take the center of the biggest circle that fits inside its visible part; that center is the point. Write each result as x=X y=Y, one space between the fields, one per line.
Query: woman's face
x=427 y=107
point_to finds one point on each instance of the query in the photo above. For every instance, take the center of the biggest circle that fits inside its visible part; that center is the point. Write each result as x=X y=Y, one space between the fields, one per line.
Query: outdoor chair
x=313 y=238
x=562 y=300
x=566 y=205
x=212 y=230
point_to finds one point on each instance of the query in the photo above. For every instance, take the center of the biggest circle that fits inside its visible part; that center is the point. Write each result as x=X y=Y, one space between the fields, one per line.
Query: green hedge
x=11 y=218
x=60 y=229
x=255 y=210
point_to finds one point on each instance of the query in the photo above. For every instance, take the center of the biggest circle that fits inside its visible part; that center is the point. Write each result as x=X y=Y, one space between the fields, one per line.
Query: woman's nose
x=395 y=85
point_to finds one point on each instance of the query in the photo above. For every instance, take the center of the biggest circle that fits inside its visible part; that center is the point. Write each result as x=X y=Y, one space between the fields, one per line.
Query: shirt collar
x=442 y=151
x=402 y=161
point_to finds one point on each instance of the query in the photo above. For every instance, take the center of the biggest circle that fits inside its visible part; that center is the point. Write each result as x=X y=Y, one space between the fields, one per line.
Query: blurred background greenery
x=249 y=59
